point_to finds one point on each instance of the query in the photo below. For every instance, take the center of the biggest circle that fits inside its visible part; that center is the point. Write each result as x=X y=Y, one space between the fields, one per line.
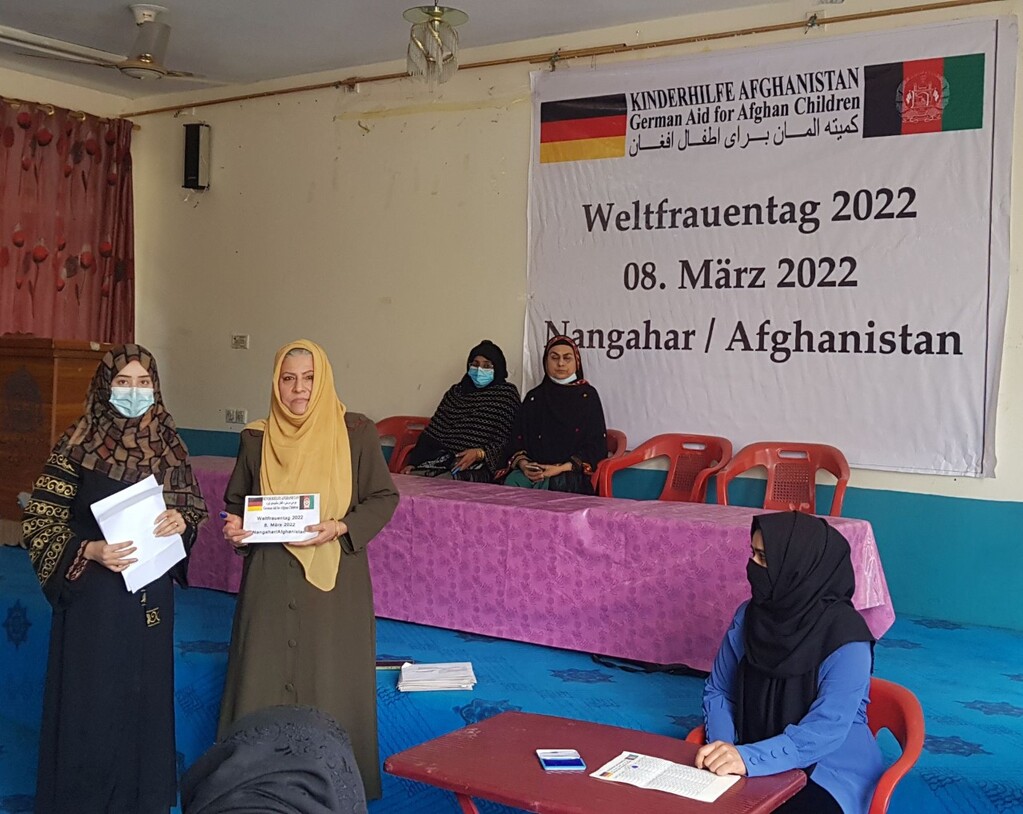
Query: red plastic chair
x=616 y=446
x=616 y=443
x=895 y=708
x=405 y=430
x=791 y=473
x=692 y=459
x=891 y=707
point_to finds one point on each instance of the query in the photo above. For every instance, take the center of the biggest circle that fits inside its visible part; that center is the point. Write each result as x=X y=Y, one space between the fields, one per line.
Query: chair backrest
x=895 y=708
x=791 y=473
x=616 y=443
x=692 y=459
x=405 y=430
x=891 y=707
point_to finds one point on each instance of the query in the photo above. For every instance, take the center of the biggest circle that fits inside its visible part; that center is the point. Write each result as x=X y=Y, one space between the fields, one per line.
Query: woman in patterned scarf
x=107 y=736
x=465 y=438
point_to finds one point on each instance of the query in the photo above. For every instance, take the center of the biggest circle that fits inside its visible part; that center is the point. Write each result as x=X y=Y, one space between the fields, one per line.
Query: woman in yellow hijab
x=304 y=630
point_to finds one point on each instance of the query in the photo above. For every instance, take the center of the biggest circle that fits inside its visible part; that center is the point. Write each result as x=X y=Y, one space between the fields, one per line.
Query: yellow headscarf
x=309 y=453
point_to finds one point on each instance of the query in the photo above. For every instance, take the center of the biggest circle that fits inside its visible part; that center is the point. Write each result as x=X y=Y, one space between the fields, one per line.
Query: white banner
x=804 y=242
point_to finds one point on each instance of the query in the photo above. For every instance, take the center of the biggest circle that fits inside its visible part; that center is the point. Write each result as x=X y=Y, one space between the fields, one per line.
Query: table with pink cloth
x=213 y=563
x=647 y=580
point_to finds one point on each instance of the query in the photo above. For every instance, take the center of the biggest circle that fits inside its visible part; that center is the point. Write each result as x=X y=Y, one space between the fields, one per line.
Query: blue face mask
x=481 y=376
x=566 y=380
x=131 y=402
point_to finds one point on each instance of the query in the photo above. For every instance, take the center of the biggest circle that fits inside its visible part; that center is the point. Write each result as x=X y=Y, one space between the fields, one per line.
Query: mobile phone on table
x=560 y=760
x=393 y=664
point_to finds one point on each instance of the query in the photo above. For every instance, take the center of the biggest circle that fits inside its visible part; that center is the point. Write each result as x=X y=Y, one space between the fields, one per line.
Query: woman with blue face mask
x=560 y=435
x=107 y=734
x=466 y=436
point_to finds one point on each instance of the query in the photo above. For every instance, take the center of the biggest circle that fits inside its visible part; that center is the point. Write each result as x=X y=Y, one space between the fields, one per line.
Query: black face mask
x=759 y=581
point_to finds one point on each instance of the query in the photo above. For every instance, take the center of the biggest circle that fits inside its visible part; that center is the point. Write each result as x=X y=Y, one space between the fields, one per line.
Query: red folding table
x=496 y=760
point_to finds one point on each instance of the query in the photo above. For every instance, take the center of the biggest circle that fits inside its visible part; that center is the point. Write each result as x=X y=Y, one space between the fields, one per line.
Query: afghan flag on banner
x=582 y=129
x=924 y=96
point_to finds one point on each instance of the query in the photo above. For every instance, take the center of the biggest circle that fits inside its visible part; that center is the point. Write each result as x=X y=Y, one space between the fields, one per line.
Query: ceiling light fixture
x=433 y=42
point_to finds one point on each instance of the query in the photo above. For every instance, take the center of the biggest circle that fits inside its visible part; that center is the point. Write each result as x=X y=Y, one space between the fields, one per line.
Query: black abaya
x=107 y=736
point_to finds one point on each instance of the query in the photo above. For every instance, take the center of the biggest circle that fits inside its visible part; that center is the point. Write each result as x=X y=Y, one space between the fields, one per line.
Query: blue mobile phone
x=561 y=760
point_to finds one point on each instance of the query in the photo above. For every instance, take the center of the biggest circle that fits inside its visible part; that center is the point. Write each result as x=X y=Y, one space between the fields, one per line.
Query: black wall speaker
x=197 y=156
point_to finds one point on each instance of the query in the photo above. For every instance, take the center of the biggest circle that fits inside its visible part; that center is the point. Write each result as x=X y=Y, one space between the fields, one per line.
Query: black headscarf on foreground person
x=801 y=612
x=278 y=760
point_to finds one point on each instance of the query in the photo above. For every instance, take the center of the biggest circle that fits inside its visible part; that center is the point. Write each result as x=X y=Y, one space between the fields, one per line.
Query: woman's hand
x=469 y=457
x=720 y=758
x=233 y=531
x=532 y=470
x=406 y=469
x=115 y=556
x=550 y=470
x=325 y=532
x=169 y=522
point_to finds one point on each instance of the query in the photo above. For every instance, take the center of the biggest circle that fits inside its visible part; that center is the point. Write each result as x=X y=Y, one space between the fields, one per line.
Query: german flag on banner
x=582 y=129
x=924 y=96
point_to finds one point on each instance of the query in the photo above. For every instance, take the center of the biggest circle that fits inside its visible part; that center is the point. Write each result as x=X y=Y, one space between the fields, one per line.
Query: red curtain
x=67 y=247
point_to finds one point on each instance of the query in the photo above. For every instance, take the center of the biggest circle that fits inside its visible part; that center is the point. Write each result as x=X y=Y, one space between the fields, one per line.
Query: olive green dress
x=292 y=643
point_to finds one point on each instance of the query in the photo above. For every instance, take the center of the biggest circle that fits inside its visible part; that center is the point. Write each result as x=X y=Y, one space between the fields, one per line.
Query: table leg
x=468 y=806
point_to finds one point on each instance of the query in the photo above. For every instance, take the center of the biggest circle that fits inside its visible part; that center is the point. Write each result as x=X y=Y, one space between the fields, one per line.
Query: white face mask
x=566 y=380
x=131 y=402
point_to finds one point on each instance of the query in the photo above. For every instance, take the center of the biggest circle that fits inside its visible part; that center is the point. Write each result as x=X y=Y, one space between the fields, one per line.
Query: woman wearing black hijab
x=790 y=684
x=277 y=760
x=107 y=733
x=560 y=435
x=466 y=436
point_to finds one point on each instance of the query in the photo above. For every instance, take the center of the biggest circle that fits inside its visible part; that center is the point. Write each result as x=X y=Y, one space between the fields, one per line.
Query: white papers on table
x=663 y=775
x=131 y=515
x=455 y=675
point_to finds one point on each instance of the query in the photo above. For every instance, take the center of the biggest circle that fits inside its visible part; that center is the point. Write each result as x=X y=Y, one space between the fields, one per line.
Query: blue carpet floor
x=969 y=680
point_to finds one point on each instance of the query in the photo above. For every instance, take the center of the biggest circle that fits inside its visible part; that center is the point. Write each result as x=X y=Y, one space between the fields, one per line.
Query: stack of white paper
x=131 y=515
x=456 y=675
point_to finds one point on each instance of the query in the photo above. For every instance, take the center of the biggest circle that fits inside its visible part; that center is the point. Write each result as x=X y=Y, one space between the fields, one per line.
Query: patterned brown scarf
x=130 y=449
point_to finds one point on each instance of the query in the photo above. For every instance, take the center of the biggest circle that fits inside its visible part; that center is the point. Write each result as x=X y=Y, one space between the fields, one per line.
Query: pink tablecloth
x=646 y=580
x=213 y=563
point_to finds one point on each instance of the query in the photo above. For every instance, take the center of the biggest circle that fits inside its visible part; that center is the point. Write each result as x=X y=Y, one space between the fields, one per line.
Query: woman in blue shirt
x=789 y=687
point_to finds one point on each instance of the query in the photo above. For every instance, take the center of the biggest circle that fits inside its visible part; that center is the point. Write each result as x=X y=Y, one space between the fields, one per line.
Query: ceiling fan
x=144 y=60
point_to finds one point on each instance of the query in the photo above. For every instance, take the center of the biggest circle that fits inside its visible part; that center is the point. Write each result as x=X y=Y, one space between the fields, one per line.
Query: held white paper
x=131 y=515
x=280 y=518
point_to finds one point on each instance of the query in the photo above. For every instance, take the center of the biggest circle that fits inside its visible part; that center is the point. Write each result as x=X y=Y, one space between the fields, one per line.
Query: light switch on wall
x=238 y=416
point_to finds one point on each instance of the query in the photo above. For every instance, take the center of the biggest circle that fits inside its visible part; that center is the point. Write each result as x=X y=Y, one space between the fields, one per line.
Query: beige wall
x=387 y=225
x=18 y=85
x=390 y=226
